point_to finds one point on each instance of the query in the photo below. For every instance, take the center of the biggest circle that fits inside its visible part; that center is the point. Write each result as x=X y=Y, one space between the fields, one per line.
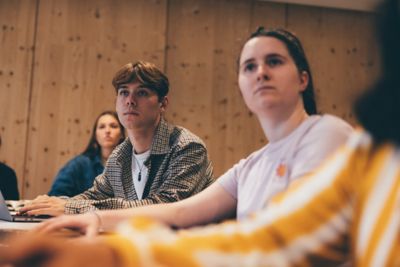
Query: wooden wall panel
x=343 y=53
x=17 y=21
x=80 y=46
x=204 y=39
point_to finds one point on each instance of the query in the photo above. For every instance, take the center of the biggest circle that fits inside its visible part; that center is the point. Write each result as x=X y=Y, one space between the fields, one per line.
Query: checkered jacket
x=178 y=168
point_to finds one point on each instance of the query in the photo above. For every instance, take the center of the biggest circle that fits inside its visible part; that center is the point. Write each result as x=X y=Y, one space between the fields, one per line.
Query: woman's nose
x=263 y=72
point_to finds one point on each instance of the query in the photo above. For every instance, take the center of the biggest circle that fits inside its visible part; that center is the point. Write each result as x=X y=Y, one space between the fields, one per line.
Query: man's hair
x=145 y=73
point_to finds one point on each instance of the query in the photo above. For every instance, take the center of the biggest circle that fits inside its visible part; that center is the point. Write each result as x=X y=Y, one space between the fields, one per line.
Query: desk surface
x=4 y=225
x=9 y=229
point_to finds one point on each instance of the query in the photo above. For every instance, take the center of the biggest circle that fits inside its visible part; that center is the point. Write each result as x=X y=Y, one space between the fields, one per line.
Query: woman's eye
x=250 y=67
x=101 y=126
x=114 y=126
x=272 y=62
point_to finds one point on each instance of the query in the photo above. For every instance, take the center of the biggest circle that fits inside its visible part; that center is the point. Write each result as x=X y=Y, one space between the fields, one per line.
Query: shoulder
x=333 y=122
x=6 y=170
x=182 y=137
x=79 y=160
x=330 y=125
x=124 y=149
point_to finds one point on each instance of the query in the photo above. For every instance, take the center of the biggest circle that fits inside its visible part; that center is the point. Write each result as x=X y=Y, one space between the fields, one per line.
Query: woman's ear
x=304 y=79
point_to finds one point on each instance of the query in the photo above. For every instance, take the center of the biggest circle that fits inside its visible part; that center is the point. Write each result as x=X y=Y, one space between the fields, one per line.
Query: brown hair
x=146 y=74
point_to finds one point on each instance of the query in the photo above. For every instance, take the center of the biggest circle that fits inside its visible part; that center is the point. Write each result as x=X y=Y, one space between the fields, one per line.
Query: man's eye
x=142 y=93
x=123 y=92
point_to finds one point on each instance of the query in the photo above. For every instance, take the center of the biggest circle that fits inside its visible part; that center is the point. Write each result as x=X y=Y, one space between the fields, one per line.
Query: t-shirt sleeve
x=230 y=179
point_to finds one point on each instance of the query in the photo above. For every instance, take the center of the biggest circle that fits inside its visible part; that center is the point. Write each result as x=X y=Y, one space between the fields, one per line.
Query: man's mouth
x=131 y=112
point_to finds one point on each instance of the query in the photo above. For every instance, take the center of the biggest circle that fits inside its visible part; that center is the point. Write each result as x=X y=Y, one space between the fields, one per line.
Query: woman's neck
x=283 y=124
x=105 y=153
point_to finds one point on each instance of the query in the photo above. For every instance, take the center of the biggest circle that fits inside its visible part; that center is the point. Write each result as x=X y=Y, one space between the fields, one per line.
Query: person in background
x=158 y=162
x=79 y=173
x=349 y=209
x=8 y=182
x=276 y=84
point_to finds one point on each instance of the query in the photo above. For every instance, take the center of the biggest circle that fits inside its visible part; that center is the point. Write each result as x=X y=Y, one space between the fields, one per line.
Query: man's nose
x=131 y=99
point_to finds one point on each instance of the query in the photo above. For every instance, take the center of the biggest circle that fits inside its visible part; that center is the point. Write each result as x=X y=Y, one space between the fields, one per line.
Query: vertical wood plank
x=80 y=46
x=343 y=54
x=204 y=41
x=17 y=21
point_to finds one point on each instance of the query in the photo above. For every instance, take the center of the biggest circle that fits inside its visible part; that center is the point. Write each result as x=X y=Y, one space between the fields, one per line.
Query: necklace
x=140 y=168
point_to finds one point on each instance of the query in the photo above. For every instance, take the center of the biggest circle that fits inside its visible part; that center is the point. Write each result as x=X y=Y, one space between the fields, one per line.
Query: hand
x=44 y=251
x=88 y=224
x=44 y=205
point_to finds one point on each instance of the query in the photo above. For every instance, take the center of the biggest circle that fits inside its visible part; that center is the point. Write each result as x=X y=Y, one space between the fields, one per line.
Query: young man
x=158 y=162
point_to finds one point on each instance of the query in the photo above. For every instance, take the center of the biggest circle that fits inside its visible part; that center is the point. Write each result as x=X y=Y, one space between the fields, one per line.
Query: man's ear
x=304 y=79
x=164 y=103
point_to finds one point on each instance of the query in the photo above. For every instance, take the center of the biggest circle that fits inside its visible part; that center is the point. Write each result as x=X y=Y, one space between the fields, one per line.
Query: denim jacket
x=76 y=176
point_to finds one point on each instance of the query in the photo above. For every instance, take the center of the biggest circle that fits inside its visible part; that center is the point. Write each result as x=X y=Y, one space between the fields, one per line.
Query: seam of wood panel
x=166 y=43
x=251 y=19
x=286 y=16
x=35 y=29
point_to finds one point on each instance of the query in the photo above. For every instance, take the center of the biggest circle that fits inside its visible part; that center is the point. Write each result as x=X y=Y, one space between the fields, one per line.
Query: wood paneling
x=204 y=40
x=17 y=28
x=343 y=54
x=80 y=45
x=48 y=106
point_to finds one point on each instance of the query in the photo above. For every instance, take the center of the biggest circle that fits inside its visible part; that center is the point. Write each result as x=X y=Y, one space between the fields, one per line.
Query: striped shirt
x=348 y=210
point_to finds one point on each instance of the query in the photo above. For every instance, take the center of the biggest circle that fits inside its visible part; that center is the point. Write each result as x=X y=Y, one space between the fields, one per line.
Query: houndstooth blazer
x=178 y=168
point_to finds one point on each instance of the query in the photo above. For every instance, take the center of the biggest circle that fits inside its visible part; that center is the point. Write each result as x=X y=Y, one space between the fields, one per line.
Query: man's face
x=138 y=107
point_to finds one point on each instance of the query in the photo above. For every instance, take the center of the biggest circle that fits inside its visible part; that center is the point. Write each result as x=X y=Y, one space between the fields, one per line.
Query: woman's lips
x=264 y=88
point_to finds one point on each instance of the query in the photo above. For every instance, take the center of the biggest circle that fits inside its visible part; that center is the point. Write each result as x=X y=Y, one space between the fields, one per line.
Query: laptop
x=8 y=213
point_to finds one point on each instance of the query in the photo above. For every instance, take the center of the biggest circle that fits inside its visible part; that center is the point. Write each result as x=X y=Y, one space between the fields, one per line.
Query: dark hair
x=378 y=110
x=145 y=73
x=93 y=148
x=296 y=51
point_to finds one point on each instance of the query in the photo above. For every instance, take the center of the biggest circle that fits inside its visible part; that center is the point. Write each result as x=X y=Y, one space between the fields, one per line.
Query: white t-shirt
x=138 y=166
x=268 y=171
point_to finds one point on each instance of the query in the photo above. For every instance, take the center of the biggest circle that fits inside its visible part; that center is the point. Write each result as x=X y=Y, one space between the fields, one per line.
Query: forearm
x=166 y=213
x=209 y=206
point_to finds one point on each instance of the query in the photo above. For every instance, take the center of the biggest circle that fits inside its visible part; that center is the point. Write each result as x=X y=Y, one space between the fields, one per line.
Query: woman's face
x=268 y=77
x=108 y=132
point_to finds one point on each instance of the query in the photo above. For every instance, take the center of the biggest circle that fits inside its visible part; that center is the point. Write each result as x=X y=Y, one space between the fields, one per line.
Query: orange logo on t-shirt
x=281 y=170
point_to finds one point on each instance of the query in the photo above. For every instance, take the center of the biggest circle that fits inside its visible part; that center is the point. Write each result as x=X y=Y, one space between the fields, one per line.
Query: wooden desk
x=14 y=228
